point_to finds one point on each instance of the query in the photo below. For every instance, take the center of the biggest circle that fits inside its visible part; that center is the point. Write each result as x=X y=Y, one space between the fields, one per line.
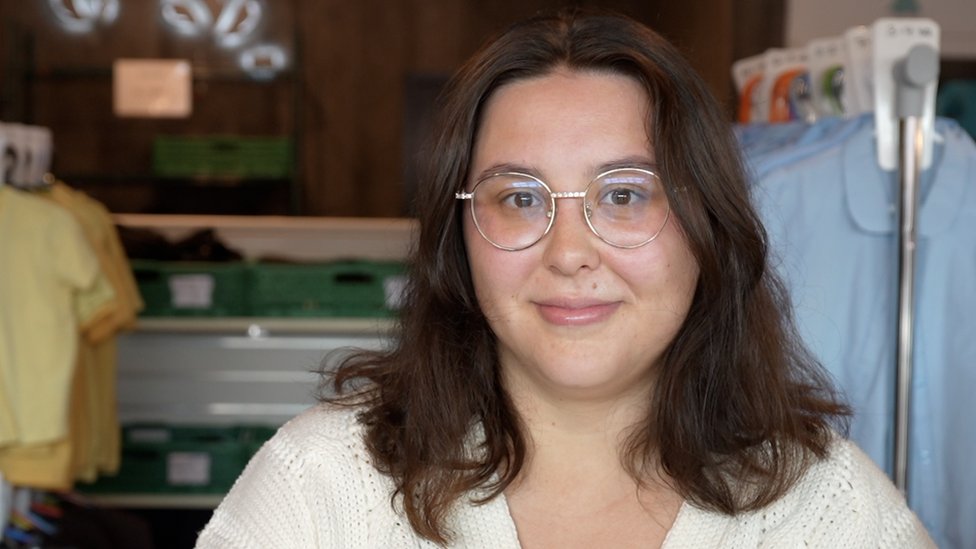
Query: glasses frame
x=551 y=213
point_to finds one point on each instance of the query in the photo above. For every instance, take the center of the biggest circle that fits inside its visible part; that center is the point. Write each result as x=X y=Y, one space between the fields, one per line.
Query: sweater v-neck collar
x=676 y=537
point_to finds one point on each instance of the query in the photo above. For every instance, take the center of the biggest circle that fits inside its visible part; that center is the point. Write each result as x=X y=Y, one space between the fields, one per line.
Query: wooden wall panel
x=704 y=33
x=353 y=58
x=356 y=57
x=353 y=70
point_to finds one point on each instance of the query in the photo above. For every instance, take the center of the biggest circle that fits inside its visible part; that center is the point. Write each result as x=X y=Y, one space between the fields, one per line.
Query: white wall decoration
x=84 y=16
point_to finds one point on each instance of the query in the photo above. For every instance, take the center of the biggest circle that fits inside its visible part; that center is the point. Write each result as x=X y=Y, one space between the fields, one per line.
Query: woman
x=593 y=353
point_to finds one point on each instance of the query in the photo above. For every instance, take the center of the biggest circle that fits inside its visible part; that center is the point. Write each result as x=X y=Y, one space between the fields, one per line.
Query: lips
x=576 y=312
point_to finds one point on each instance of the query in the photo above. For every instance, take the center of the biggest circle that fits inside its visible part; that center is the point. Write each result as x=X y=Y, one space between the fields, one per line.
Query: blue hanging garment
x=831 y=214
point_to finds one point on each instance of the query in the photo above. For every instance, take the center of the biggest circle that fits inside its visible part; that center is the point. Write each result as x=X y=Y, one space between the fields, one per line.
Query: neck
x=592 y=431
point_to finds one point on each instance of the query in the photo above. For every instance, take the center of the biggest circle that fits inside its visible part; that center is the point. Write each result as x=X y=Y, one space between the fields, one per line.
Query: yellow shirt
x=54 y=466
x=100 y=232
x=93 y=442
x=103 y=452
x=50 y=285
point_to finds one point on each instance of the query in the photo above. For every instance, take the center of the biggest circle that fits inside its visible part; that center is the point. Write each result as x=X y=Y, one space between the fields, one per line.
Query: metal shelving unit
x=23 y=77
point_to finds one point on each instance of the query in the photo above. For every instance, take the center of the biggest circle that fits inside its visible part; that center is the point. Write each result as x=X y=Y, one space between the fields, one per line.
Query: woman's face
x=574 y=316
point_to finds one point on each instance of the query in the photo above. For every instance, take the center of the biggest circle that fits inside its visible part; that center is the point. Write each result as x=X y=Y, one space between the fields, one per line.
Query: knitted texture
x=313 y=486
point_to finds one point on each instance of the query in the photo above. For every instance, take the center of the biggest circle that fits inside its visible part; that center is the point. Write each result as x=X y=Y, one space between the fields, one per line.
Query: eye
x=522 y=199
x=623 y=196
x=620 y=197
x=512 y=195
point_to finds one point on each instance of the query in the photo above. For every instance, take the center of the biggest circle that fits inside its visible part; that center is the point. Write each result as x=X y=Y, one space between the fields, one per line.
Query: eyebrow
x=639 y=161
x=635 y=161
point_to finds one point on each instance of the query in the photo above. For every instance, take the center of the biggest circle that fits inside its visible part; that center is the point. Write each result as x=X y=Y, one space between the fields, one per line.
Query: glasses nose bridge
x=568 y=194
x=571 y=194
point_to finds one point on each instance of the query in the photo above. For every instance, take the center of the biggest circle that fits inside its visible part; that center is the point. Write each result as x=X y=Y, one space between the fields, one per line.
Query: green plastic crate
x=172 y=288
x=247 y=157
x=340 y=289
x=161 y=459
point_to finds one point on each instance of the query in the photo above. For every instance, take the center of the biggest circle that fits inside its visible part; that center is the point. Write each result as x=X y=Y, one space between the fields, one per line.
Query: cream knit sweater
x=312 y=487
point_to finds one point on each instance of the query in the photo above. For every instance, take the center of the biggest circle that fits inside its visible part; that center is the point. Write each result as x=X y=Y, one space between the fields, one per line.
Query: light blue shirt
x=832 y=221
x=767 y=147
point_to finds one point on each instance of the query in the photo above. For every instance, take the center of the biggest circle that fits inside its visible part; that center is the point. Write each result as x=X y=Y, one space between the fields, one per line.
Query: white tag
x=748 y=76
x=152 y=88
x=191 y=291
x=745 y=70
x=779 y=62
x=825 y=55
x=858 y=71
x=188 y=468
x=394 y=288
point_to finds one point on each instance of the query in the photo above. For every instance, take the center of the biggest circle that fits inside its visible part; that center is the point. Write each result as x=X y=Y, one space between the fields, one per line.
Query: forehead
x=564 y=116
x=565 y=88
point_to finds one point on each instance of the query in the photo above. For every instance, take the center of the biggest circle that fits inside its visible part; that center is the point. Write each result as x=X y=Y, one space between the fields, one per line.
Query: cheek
x=669 y=273
x=497 y=275
x=484 y=267
x=496 y=278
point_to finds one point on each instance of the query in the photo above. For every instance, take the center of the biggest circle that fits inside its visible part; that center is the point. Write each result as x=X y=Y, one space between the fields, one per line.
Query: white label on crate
x=149 y=435
x=188 y=469
x=393 y=289
x=191 y=291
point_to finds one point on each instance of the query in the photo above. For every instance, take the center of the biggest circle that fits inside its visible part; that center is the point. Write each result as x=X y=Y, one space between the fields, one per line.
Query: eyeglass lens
x=625 y=208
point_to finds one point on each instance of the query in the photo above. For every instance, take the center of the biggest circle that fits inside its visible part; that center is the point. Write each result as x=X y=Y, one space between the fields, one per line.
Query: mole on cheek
x=594 y=285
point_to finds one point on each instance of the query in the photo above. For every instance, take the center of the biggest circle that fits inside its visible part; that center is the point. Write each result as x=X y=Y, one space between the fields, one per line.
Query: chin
x=593 y=383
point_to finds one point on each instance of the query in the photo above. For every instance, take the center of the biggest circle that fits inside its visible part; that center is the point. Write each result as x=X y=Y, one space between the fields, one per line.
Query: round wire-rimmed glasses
x=624 y=207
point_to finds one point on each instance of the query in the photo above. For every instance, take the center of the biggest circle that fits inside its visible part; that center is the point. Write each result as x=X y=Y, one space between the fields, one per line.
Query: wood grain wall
x=354 y=57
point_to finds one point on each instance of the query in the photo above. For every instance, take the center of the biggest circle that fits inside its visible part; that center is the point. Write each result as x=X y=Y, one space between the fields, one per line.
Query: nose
x=570 y=245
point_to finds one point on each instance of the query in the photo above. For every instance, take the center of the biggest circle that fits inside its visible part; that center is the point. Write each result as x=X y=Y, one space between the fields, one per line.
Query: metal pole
x=918 y=69
x=909 y=171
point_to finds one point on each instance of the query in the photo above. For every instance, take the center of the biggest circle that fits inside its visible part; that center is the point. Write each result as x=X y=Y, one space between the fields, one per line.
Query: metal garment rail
x=912 y=74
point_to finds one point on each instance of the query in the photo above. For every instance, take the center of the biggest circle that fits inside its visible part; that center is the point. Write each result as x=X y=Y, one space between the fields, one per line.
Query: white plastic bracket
x=748 y=76
x=42 y=151
x=897 y=41
x=778 y=61
x=3 y=171
x=17 y=154
x=825 y=55
x=858 y=71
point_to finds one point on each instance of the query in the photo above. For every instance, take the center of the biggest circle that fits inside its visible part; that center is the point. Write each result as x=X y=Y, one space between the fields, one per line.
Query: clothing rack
x=841 y=198
x=906 y=66
x=889 y=69
x=912 y=74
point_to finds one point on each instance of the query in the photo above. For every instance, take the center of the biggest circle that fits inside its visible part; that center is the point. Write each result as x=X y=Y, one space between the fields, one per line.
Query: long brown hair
x=738 y=401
